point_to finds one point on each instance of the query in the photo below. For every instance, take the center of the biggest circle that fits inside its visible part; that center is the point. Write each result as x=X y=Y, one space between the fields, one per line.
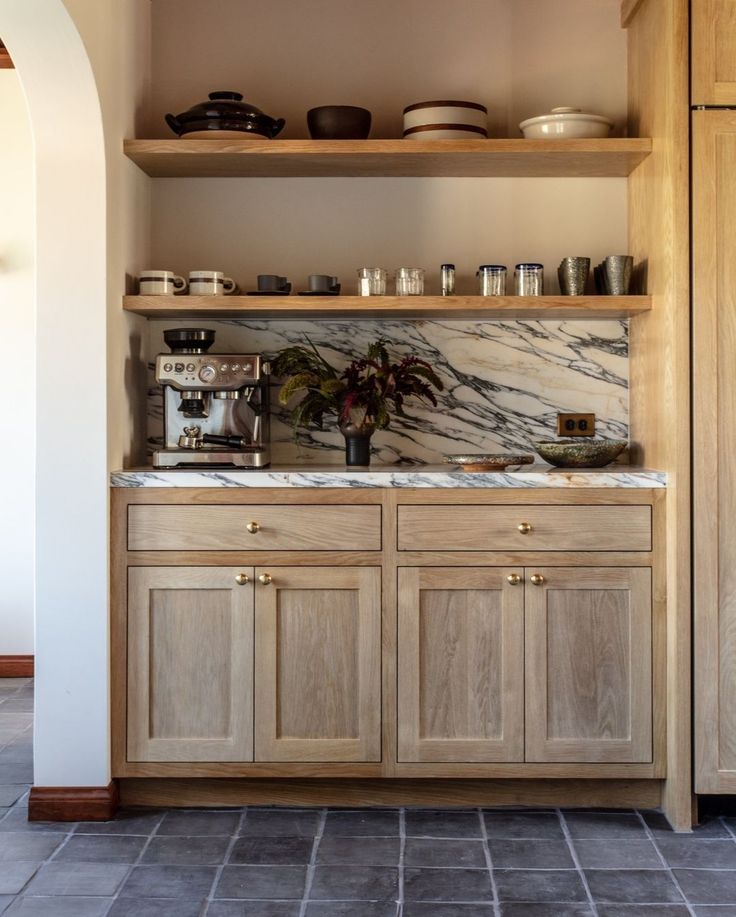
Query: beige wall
x=18 y=315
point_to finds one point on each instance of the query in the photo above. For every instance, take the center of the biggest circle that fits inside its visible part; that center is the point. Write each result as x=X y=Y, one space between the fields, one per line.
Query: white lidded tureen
x=567 y=123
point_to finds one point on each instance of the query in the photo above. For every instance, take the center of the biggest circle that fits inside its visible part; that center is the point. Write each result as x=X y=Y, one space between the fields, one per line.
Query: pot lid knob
x=565 y=110
x=226 y=94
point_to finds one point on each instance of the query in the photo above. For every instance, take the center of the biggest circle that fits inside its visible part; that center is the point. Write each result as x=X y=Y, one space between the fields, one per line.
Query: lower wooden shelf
x=408 y=308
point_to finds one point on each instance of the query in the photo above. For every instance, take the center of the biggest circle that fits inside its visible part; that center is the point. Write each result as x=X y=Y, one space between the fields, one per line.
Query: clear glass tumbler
x=491 y=279
x=529 y=279
x=371 y=281
x=410 y=281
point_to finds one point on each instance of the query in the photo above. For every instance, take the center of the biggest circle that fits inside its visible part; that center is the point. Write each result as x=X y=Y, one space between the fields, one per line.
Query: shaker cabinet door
x=713 y=29
x=460 y=664
x=190 y=664
x=588 y=665
x=318 y=664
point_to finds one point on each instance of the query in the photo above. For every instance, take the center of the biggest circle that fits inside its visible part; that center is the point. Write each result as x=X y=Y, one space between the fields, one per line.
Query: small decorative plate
x=489 y=461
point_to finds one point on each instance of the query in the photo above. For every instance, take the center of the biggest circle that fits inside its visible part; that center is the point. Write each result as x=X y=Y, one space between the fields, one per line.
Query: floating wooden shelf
x=175 y=158
x=409 y=308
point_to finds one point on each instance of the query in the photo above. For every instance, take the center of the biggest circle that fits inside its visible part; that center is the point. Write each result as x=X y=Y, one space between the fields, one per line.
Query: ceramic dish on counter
x=446 y=121
x=488 y=461
x=566 y=123
x=576 y=453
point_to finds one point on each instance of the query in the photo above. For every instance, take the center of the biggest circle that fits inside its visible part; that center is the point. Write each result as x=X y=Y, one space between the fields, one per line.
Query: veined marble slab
x=426 y=476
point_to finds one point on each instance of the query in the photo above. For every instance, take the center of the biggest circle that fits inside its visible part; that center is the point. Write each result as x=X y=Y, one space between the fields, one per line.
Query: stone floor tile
x=5 y=902
x=15 y=875
x=100 y=879
x=87 y=848
x=169 y=882
x=276 y=822
x=690 y=851
x=716 y=910
x=17 y=820
x=359 y=851
x=16 y=773
x=543 y=886
x=28 y=846
x=708 y=827
x=11 y=792
x=632 y=886
x=126 y=821
x=183 y=851
x=424 y=884
x=707 y=886
x=425 y=851
x=261 y=882
x=272 y=851
x=522 y=824
x=434 y=909
x=520 y=853
x=58 y=907
x=442 y=823
x=156 y=907
x=362 y=822
x=643 y=910
x=530 y=909
x=355 y=883
x=352 y=909
x=617 y=853
x=254 y=909
x=17 y=704
x=15 y=682
x=189 y=824
x=597 y=824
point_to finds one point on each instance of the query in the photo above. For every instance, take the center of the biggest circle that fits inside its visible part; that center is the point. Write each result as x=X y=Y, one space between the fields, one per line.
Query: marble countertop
x=390 y=476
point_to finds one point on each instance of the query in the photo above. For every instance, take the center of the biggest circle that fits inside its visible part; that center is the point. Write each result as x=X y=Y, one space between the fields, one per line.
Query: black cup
x=323 y=283
x=272 y=283
x=338 y=122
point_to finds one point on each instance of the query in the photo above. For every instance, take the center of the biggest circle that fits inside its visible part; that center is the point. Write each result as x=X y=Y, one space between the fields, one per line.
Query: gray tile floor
x=259 y=862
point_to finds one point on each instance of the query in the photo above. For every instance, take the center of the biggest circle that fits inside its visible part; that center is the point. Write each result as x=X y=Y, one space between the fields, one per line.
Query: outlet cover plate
x=576 y=424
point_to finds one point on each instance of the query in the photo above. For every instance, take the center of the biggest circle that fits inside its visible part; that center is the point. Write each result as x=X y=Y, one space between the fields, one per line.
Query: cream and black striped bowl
x=446 y=120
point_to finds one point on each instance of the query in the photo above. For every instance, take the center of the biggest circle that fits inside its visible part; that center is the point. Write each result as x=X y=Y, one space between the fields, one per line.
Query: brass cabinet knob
x=242 y=579
x=265 y=578
x=514 y=579
x=253 y=527
x=524 y=527
x=537 y=579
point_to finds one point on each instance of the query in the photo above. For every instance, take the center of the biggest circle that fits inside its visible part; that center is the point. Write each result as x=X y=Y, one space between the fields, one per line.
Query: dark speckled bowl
x=576 y=453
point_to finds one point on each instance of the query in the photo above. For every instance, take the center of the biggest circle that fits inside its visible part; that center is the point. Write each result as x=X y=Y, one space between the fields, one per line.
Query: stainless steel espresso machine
x=215 y=405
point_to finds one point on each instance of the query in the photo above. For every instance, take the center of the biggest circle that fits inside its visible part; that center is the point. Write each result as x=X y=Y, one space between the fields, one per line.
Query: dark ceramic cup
x=272 y=283
x=339 y=122
x=323 y=283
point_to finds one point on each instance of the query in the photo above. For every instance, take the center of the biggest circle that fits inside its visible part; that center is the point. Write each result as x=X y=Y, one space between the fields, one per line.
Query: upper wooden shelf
x=485 y=308
x=175 y=158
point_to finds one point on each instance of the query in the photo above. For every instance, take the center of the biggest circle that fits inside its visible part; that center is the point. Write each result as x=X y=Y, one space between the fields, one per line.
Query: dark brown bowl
x=338 y=122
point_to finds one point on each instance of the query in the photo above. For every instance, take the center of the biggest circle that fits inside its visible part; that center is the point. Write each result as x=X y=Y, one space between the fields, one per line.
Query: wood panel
x=190 y=664
x=460 y=665
x=713 y=25
x=278 y=528
x=589 y=665
x=16 y=666
x=552 y=528
x=180 y=158
x=714 y=311
x=318 y=664
x=360 y=308
x=658 y=192
x=73 y=803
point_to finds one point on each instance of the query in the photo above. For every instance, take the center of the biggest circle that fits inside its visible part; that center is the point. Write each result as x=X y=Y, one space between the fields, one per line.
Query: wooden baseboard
x=390 y=792
x=73 y=803
x=16 y=666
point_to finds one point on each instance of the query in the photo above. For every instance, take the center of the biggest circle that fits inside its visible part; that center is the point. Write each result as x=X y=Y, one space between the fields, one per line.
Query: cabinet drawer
x=525 y=528
x=275 y=528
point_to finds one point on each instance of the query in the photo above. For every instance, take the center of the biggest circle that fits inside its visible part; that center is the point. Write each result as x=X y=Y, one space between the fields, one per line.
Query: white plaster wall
x=18 y=316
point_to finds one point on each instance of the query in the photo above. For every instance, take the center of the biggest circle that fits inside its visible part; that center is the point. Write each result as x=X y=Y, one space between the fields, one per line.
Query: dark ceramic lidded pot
x=225 y=114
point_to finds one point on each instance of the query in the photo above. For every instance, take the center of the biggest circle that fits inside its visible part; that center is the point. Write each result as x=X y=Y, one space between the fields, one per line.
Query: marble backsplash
x=504 y=382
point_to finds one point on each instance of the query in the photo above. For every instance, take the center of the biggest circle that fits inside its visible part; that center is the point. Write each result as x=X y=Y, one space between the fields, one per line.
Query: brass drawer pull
x=524 y=527
x=242 y=579
x=514 y=579
x=537 y=579
x=265 y=579
x=253 y=527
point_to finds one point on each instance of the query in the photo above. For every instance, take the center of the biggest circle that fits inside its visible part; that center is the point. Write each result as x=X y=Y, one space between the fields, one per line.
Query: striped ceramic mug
x=210 y=283
x=160 y=283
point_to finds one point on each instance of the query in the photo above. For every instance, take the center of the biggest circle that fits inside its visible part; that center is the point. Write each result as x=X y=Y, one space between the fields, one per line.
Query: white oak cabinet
x=713 y=37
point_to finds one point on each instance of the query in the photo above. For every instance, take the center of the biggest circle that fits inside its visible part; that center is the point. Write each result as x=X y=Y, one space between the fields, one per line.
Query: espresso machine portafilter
x=215 y=405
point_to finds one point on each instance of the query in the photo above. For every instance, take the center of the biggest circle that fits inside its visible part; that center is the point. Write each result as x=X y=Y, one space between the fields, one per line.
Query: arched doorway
x=72 y=708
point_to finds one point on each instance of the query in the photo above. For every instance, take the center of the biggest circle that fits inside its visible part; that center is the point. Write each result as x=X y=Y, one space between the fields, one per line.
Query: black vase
x=357 y=443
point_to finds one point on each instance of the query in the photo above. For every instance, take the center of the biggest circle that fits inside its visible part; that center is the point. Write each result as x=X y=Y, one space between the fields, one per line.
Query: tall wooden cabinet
x=713 y=68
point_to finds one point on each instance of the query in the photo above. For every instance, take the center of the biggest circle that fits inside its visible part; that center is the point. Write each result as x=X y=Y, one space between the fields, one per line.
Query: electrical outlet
x=576 y=424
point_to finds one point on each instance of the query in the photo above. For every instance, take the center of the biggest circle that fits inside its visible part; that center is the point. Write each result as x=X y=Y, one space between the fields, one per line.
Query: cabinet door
x=713 y=52
x=190 y=664
x=589 y=665
x=460 y=664
x=318 y=664
x=714 y=448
